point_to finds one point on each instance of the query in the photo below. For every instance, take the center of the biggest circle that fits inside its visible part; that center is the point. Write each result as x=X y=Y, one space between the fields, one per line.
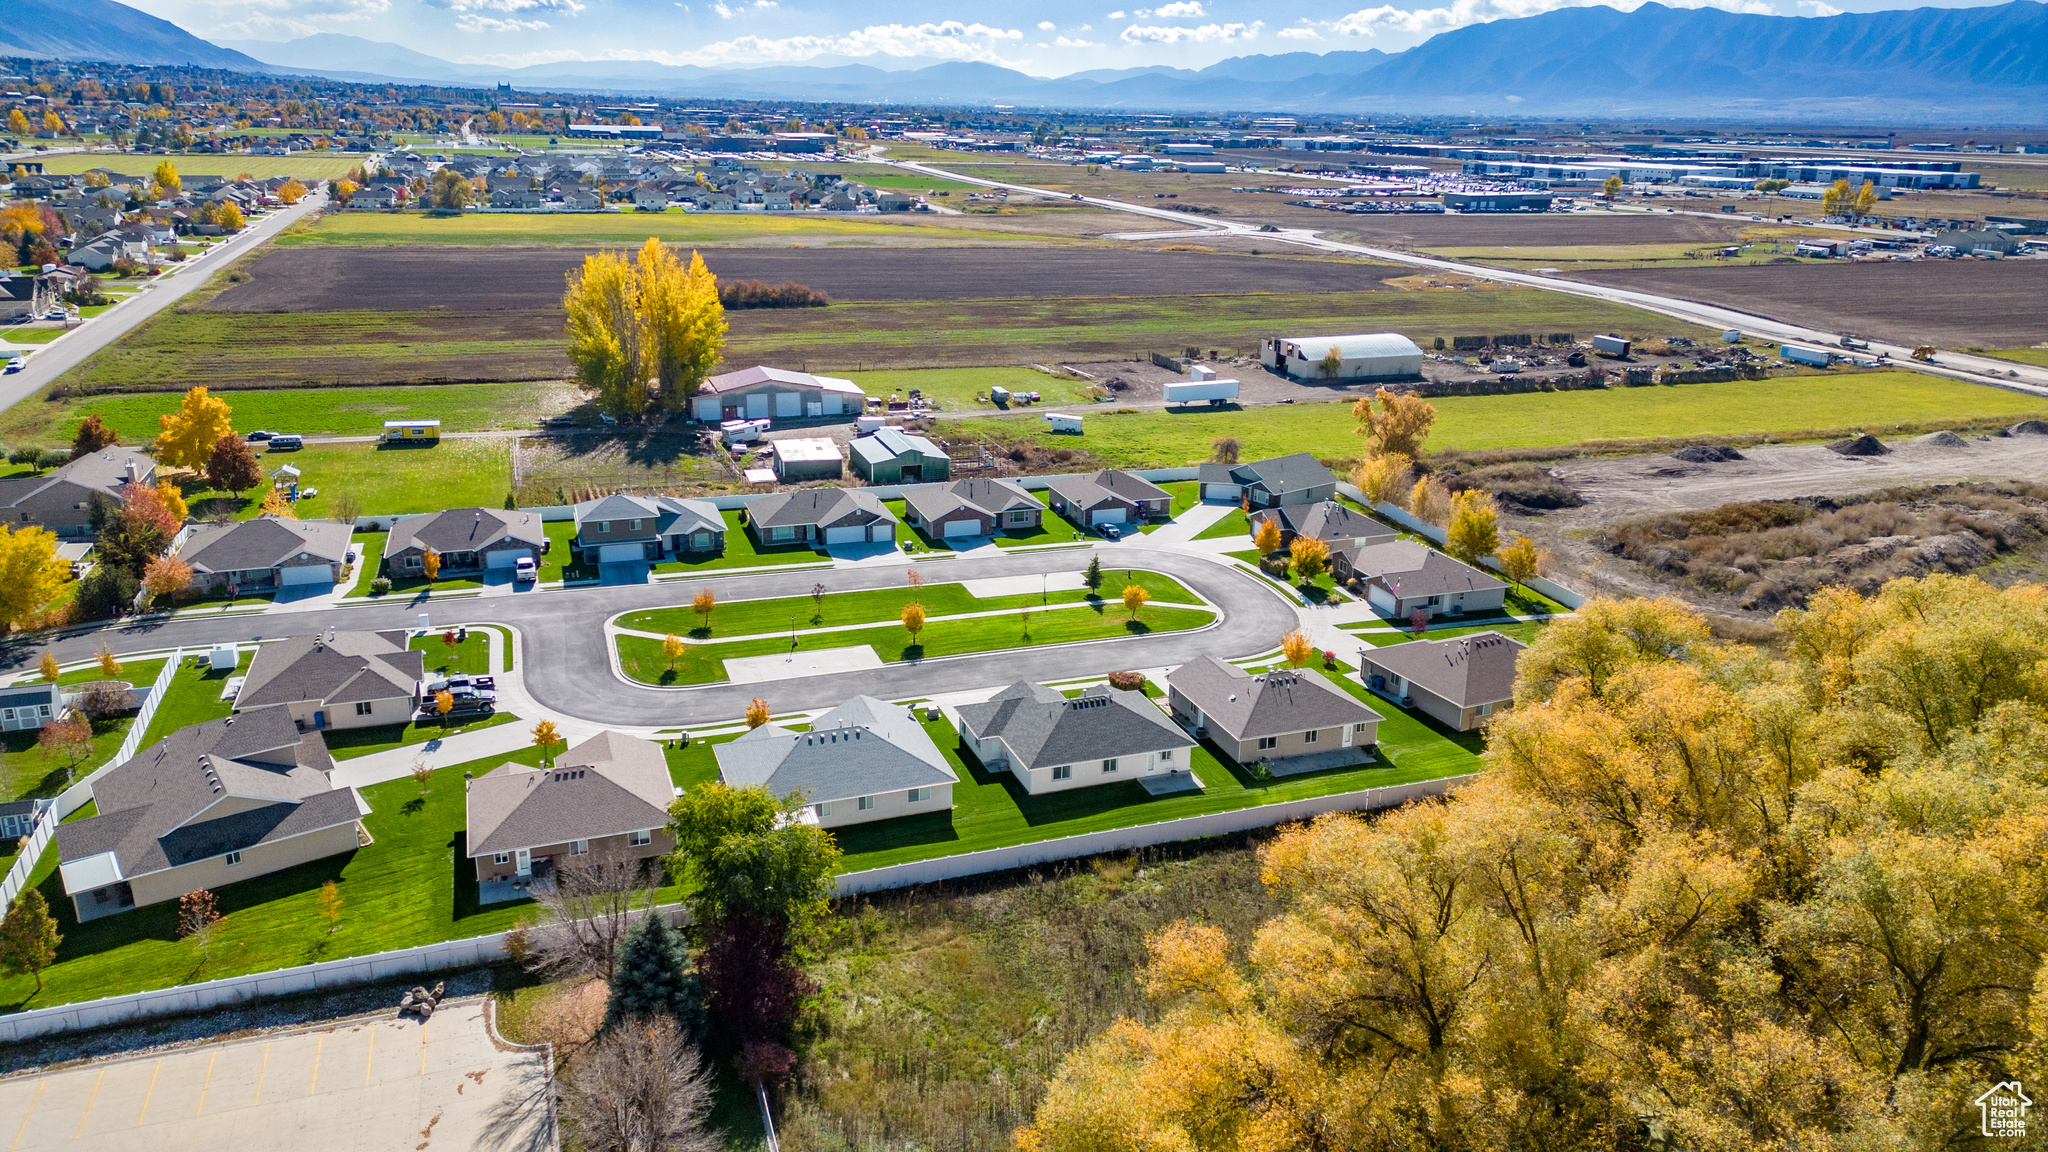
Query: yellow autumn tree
x=1394 y=425
x=164 y=182
x=31 y=573
x=684 y=322
x=291 y=192
x=275 y=504
x=1474 y=529
x=188 y=435
x=1266 y=538
x=605 y=343
x=1296 y=646
x=1383 y=478
x=173 y=499
x=1135 y=599
x=1520 y=561
x=758 y=712
x=1310 y=558
x=644 y=332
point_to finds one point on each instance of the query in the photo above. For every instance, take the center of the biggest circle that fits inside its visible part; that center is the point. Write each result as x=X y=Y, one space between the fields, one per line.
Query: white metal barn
x=1371 y=356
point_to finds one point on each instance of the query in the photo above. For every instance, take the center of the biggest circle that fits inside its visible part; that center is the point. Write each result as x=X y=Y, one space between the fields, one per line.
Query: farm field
x=306 y=411
x=2023 y=355
x=302 y=166
x=1591 y=256
x=1951 y=303
x=372 y=229
x=1786 y=406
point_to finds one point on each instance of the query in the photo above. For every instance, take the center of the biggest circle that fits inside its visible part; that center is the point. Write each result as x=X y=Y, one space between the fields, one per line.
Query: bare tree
x=641 y=1088
x=104 y=699
x=586 y=915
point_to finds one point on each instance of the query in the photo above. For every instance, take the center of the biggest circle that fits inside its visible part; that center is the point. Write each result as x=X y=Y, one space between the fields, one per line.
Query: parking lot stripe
x=369 y=1058
x=318 y=1043
x=40 y=1085
x=423 y=1047
x=153 y=1073
x=259 y=1074
x=89 y=1103
x=205 y=1084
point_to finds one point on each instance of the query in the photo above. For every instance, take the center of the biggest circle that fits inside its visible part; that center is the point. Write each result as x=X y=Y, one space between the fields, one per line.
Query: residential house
x=616 y=528
x=1335 y=524
x=1403 y=577
x=465 y=540
x=761 y=392
x=99 y=253
x=1279 y=717
x=336 y=680
x=265 y=554
x=893 y=456
x=609 y=794
x=865 y=760
x=220 y=801
x=26 y=297
x=1111 y=496
x=521 y=197
x=375 y=197
x=649 y=199
x=29 y=706
x=818 y=517
x=1460 y=681
x=1050 y=742
x=62 y=500
x=972 y=508
x=1283 y=480
x=802 y=459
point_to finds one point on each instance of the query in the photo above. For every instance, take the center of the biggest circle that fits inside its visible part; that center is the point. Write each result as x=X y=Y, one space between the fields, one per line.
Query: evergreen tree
x=1093 y=576
x=652 y=976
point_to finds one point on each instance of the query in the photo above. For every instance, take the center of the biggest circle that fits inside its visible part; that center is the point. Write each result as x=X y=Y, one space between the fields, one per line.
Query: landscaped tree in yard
x=423 y=775
x=1091 y=576
x=641 y=1087
x=430 y=563
x=546 y=736
x=1267 y=537
x=1394 y=425
x=231 y=465
x=172 y=499
x=702 y=604
x=189 y=435
x=1296 y=646
x=1418 y=621
x=653 y=978
x=48 y=667
x=913 y=619
x=1520 y=561
x=758 y=712
x=672 y=649
x=587 y=915
x=1383 y=478
x=331 y=903
x=166 y=576
x=67 y=741
x=276 y=504
x=93 y=435
x=444 y=703
x=1135 y=598
x=818 y=600
x=164 y=182
x=1429 y=500
x=1474 y=529
x=1310 y=557
x=30 y=572
x=136 y=532
x=28 y=936
x=198 y=919
x=230 y=218
x=109 y=667
x=291 y=192
x=17 y=123
x=1225 y=450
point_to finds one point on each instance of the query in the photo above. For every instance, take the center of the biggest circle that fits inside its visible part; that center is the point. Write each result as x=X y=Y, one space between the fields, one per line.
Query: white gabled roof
x=761 y=374
x=1360 y=347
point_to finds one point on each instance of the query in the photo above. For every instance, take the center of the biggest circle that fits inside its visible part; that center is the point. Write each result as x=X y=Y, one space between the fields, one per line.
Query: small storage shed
x=807 y=459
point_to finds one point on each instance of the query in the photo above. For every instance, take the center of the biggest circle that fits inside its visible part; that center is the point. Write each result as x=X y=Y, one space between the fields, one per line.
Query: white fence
x=74 y=797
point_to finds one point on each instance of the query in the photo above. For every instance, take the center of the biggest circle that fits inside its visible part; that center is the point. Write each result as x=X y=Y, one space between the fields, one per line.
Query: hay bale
x=1707 y=454
x=1864 y=445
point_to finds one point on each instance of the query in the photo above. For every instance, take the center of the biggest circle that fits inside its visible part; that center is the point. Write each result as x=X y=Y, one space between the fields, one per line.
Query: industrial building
x=1497 y=201
x=798 y=460
x=1372 y=356
x=759 y=392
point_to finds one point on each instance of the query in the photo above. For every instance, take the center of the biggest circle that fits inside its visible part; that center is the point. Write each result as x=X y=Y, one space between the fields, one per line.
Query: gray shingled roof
x=608 y=785
x=333 y=668
x=1041 y=727
x=1269 y=704
x=861 y=748
x=1466 y=670
x=103 y=471
x=818 y=506
x=464 y=530
x=935 y=502
x=265 y=542
x=1104 y=486
x=259 y=762
x=1409 y=569
x=1279 y=475
x=1325 y=520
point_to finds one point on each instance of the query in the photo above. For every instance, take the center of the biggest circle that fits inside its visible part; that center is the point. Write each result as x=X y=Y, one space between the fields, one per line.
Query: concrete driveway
x=358 y=1086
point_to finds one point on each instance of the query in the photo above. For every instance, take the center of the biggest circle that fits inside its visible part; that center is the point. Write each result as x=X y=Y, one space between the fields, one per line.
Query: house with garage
x=1111 y=496
x=608 y=796
x=618 y=528
x=1292 y=719
x=1052 y=743
x=863 y=761
x=1338 y=525
x=1283 y=480
x=26 y=707
x=265 y=554
x=206 y=806
x=761 y=392
x=336 y=679
x=1403 y=577
x=817 y=517
x=801 y=459
x=893 y=456
x=1460 y=681
x=972 y=508
x=464 y=540
x=62 y=500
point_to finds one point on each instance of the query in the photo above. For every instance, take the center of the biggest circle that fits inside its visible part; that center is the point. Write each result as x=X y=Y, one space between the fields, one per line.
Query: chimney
x=134 y=471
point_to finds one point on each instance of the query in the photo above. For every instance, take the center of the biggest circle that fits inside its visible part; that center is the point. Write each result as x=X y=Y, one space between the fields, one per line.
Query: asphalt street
x=566 y=664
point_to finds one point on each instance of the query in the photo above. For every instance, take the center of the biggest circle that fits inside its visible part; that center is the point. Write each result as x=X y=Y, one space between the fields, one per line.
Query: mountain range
x=1916 y=66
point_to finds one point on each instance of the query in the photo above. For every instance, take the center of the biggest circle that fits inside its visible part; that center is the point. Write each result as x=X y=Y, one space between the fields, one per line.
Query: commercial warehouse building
x=1368 y=356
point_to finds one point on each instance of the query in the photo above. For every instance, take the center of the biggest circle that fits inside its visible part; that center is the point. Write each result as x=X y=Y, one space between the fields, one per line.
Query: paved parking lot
x=352 y=1087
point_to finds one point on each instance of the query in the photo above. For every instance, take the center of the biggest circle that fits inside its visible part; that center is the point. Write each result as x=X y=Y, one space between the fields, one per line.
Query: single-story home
x=820 y=516
x=1460 y=681
x=893 y=456
x=1272 y=716
x=28 y=706
x=1402 y=577
x=1051 y=742
x=1111 y=496
x=336 y=679
x=862 y=761
x=465 y=539
x=812 y=458
x=1283 y=480
x=61 y=501
x=760 y=392
x=266 y=553
x=618 y=527
x=207 y=805
x=610 y=794
x=1335 y=524
x=972 y=508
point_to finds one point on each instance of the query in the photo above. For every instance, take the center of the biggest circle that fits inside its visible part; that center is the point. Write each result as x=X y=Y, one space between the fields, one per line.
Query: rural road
x=565 y=657
x=59 y=356
x=1977 y=369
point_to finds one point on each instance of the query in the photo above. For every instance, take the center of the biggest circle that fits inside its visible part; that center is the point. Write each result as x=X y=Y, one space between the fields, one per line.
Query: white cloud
x=1299 y=34
x=1207 y=33
x=1464 y=13
x=259 y=19
x=571 y=7
x=1087 y=27
x=947 y=40
x=1178 y=10
x=1046 y=25
x=1064 y=42
x=724 y=13
x=1117 y=15
x=1820 y=7
x=471 y=22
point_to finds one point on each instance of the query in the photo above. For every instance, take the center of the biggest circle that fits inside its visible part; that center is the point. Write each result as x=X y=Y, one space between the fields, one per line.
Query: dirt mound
x=2028 y=428
x=1707 y=454
x=1864 y=445
x=1943 y=439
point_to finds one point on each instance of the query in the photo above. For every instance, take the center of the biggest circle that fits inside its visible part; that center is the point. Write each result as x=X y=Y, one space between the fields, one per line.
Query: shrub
x=1275 y=565
x=380 y=585
x=105 y=593
x=1127 y=681
x=760 y=294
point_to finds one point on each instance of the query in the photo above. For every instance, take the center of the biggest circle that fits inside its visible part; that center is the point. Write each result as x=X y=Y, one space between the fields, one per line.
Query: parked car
x=1111 y=532
x=462 y=683
x=259 y=436
x=16 y=365
x=470 y=708
x=524 y=570
x=286 y=442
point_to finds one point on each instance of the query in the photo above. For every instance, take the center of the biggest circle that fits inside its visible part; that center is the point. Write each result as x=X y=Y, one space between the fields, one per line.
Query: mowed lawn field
x=368 y=229
x=306 y=411
x=453 y=474
x=1786 y=406
x=307 y=166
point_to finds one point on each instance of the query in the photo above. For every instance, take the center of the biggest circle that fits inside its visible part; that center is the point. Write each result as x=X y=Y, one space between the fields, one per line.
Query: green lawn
x=1785 y=406
x=306 y=411
x=1525 y=631
x=1234 y=523
x=557 y=557
x=25 y=771
x=364 y=229
x=1317 y=591
x=194 y=696
x=26 y=336
x=456 y=474
x=300 y=166
x=740 y=552
x=2023 y=355
x=472 y=655
x=1052 y=529
x=752 y=617
x=642 y=660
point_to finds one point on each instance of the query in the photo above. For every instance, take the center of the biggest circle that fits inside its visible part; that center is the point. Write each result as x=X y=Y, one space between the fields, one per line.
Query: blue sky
x=1043 y=38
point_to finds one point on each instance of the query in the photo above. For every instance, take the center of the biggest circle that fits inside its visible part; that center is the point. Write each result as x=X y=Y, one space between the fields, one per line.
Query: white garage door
x=881 y=532
x=829 y=406
x=306 y=574
x=854 y=535
x=613 y=553
x=502 y=558
x=757 y=405
x=1106 y=516
x=788 y=403
x=1221 y=491
x=961 y=528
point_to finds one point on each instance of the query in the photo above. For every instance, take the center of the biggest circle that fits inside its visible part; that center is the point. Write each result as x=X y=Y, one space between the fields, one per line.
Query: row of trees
x=644 y=332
